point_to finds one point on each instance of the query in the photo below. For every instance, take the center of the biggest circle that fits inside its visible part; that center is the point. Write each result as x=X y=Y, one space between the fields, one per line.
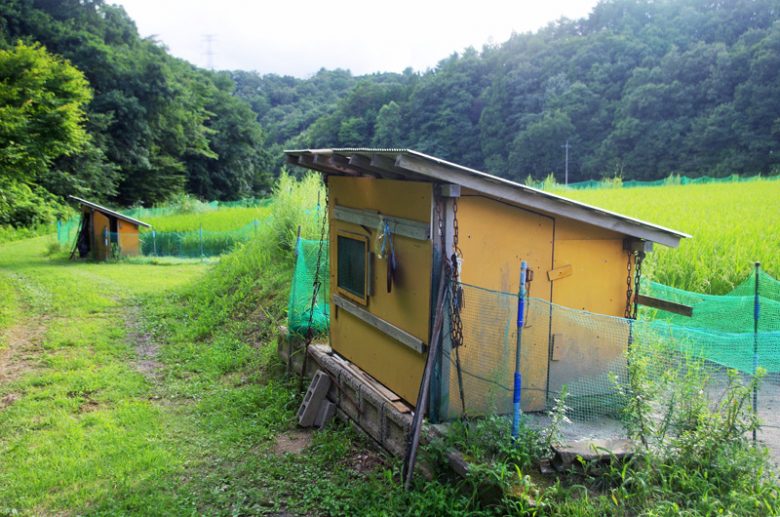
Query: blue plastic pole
x=518 y=377
x=756 y=314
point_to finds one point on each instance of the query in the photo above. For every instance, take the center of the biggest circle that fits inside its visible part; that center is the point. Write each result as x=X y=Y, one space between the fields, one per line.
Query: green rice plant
x=213 y=220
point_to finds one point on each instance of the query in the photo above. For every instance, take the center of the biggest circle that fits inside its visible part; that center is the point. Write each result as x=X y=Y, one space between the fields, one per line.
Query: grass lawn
x=92 y=422
x=152 y=387
x=78 y=423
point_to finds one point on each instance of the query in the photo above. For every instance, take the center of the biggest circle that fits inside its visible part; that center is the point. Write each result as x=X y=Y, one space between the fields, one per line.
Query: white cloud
x=300 y=37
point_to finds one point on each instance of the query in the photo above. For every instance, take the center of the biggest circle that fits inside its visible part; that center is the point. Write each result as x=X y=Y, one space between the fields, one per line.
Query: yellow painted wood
x=494 y=238
x=584 y=349
x=600 y=282
x=100 y=225
x=560 y=272
x=129 y=243
x=408 y=305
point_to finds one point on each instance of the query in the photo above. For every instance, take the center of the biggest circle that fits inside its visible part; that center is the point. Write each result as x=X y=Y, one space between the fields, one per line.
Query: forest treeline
x=640 y=89
x=153 y=126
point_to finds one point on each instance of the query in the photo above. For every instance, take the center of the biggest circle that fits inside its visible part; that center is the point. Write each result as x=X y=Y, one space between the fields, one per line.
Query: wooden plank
x=560 y=272
x=380 y=388
x=363 y=164
x=371 y=219
x=665 y=305
x=335 y=163
x=391 y=330
x=372 y=383
x=401 y=406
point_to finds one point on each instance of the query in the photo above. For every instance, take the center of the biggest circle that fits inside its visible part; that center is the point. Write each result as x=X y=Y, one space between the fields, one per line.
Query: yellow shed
x=397 y=217
x=104 y=233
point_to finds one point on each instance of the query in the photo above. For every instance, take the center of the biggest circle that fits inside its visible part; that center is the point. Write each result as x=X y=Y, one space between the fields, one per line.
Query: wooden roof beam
x=335 y=163
x=363 y=163
x=307 y=161
x=387 y=165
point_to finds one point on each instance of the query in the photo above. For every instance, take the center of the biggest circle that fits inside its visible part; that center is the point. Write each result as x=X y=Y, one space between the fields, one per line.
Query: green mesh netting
x=731 y=313
x=671 y=180
x=67 y=231
x=300 y=312
x=587 y=352
x=189 y=244
x=195 y=243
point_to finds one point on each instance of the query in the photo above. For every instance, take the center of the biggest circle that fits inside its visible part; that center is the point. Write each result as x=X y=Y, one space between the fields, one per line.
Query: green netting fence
x=671 y=180
x=141 y=212
x=587 y=352
x=195 y=243
x=300 y=313
x=583 y=351
x=183 y=244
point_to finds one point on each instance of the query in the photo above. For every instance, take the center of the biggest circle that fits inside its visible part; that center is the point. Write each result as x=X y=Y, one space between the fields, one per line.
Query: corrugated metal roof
x=414 y=164
x=109 y=211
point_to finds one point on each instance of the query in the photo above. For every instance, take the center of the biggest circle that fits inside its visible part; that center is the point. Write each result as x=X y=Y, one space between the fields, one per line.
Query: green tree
x=42 y=102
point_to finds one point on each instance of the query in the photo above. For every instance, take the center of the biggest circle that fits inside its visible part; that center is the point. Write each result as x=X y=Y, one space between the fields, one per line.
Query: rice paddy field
x=212 y=220
x=732 y=225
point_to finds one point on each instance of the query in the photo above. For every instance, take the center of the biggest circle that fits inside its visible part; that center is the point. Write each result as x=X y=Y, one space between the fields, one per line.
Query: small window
x=352 y=257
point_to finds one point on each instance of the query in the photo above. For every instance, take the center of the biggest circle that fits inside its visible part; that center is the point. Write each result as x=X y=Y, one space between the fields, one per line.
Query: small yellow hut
x=104 y=233
x=397 y=216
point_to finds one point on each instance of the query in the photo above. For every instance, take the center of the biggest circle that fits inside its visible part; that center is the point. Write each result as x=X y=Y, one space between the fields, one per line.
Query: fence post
x=518 y=384
x=201 y=240
x=59 y=231
x=756 y=315
x=154 y=243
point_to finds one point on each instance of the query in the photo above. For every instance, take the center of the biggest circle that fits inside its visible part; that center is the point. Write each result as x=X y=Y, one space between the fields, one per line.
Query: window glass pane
x=352 y=265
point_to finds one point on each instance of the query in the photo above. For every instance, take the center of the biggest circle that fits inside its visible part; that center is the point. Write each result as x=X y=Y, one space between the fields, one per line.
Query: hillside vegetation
x=639 y=88
x=145 y=126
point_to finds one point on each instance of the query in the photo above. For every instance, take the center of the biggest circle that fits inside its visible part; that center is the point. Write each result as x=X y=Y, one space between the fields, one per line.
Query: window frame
x=363 y=300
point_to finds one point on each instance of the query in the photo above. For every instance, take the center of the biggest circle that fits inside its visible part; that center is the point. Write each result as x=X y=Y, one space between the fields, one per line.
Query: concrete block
x=326 y=412
x=310 y=407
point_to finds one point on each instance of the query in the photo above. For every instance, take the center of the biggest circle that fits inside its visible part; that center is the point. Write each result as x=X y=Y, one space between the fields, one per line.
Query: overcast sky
x=300 y=37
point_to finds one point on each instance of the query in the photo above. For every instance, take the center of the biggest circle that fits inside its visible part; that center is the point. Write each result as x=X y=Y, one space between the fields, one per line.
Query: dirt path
x=144 y=345
x=23 y=344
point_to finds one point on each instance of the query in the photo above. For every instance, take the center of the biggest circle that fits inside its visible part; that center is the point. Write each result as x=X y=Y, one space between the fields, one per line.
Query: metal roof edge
x=627 y=225
x=109 y=211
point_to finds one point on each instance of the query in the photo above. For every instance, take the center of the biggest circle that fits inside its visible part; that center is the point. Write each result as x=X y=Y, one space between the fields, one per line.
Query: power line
x=209 y=40
x=566 y=174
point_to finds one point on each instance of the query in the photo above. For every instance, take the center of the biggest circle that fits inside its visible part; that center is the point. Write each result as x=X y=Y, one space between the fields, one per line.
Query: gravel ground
x=610 y=428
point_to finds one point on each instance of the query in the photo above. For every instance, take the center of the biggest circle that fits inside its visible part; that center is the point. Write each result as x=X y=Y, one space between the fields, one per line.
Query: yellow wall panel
x=494 y=238
x=100 y=225
x=598 y=280
x=588 y=349
x=128 y=239
x=407 y=306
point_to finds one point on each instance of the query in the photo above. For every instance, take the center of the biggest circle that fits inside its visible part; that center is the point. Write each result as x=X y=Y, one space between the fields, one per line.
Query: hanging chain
x=456 y=298
x=638 y=259
x=629 y=286
x=633 y=282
